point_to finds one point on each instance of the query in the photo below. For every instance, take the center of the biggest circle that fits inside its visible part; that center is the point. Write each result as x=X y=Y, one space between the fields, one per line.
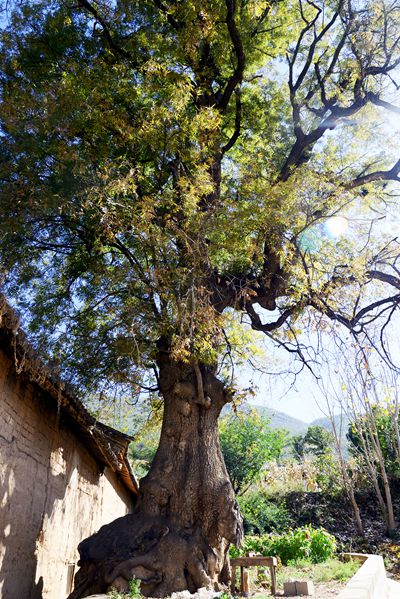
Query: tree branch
x=257 y=325
x=237 y=76
x=390 y=175
x=385 y=277
x=375 y=99
x=115 y=47
x=238 y=118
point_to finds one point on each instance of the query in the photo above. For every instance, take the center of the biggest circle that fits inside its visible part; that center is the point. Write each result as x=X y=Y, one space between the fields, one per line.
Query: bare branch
x=385 y=277
x=257 y=325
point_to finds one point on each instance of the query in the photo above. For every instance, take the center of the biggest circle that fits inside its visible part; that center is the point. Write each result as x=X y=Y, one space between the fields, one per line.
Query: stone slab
x=289 y=589
x=305 y=587
x=298 y=588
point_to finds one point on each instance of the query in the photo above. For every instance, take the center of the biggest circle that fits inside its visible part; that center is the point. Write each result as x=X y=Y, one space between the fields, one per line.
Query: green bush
x=322 y=546
x=261 y=515
x=315 y=544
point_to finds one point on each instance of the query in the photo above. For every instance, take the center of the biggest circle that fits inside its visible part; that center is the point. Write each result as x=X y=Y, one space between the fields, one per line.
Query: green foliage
x=329 y=477
x=134 y=591
x=247 y=443
x=316 y=442
x=145 y=440
x=156 y=169
x=143 y=450
x=376 y=426
x=297 y=442
x=134 y=588
x=261 y=514
x=307 y=542
x=323 y=545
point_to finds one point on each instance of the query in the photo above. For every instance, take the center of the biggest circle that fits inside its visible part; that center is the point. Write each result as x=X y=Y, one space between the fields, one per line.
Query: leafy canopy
x=166 y=163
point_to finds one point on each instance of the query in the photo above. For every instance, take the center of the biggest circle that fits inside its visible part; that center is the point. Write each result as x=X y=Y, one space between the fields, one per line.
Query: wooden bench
x=247 y=562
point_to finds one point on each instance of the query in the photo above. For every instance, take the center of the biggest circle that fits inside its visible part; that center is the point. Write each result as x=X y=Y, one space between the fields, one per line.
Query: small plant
x=315 y=544
x=322 y=547
x=134 y=588
x=134 y=591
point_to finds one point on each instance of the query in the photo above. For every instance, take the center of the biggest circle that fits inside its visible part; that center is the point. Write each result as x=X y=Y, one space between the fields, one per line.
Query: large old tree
x=166 y=165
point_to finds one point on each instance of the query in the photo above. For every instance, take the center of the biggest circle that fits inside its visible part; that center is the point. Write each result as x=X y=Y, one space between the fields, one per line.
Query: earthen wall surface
x=53 y=493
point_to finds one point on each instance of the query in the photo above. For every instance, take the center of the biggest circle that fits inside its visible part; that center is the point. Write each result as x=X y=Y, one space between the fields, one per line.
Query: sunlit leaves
x=142 y=147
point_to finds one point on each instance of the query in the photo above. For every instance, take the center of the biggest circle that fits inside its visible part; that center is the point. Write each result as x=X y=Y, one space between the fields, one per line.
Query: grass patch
x=331 y=570
x=335 y=570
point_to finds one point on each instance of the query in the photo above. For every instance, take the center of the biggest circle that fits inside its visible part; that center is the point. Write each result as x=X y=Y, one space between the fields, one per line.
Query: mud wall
x=53 y=492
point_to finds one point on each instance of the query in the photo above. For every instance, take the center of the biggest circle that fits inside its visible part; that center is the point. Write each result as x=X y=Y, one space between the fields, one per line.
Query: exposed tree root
x=151 y=550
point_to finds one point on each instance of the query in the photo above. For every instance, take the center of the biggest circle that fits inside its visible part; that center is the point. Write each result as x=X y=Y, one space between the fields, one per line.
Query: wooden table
x=247 y=562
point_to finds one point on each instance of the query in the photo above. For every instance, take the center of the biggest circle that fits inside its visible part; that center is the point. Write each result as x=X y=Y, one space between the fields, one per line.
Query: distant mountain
x=295 y=426
x=298 y=427
x=341 y=426
x=282 y=420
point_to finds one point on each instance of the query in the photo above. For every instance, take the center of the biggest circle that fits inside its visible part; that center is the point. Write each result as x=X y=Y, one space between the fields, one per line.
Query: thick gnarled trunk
x=187 y=515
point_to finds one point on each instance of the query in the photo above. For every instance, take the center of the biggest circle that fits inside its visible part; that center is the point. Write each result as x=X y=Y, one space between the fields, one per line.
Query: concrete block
x=289 y=589
x=305 y=587
x=298 y=587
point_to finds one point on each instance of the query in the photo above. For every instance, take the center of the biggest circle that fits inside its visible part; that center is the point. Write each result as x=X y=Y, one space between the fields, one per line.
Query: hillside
x=295 y=426
x=326 y=423
x=282 y=420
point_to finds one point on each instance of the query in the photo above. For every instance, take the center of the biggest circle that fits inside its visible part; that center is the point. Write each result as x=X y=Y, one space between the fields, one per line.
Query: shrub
x=306 y=542
x=322 y=545
x=261 y=515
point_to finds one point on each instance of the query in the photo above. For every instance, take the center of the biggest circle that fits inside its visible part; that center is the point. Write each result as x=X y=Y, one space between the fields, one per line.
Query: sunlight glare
x=336 y=226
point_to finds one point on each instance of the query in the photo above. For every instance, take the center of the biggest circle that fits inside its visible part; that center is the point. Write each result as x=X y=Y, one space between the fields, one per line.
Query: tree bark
x=187 y=516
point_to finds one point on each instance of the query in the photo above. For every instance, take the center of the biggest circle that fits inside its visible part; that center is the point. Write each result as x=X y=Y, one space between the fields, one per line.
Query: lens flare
x=336 y=226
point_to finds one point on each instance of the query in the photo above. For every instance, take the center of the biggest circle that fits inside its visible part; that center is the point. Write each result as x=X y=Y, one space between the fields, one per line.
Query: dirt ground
x=323 y=590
